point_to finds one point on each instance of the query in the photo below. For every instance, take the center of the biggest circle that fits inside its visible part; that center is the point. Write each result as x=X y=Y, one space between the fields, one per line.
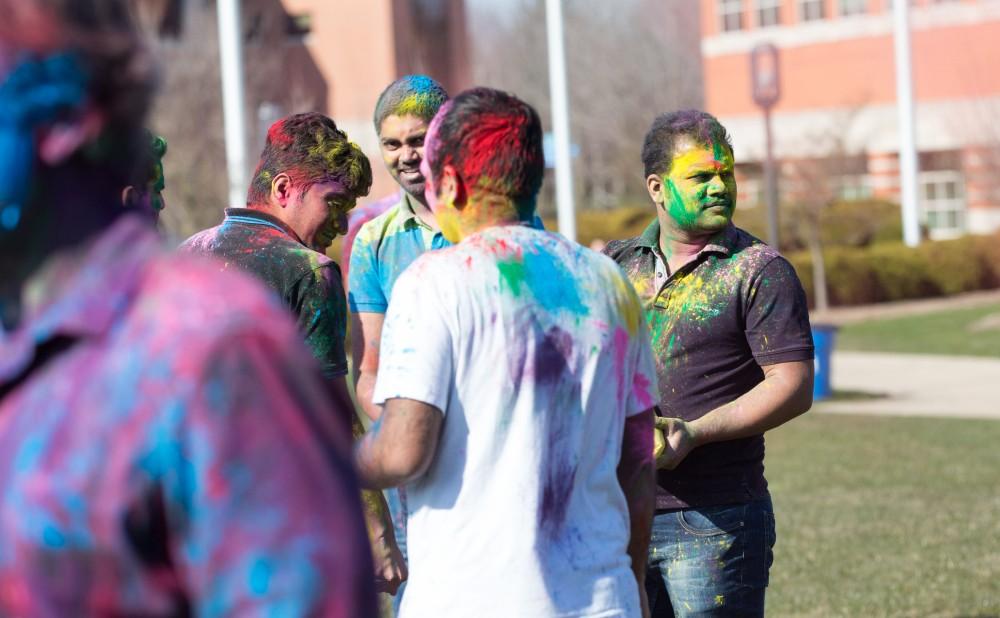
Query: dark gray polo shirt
x=308 y=282
x=714 y=323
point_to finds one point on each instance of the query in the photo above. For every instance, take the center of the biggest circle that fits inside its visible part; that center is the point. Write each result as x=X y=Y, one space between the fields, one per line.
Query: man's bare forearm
x=400 y=446
x=366 y=332
x=364 y=390
x=785 y=393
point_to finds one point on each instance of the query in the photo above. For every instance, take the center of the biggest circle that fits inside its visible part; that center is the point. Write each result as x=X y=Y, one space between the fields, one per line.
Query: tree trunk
x=819 y=273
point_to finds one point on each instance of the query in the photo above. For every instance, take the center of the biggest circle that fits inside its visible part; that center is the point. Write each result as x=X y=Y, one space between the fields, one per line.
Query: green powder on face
x=678 y=209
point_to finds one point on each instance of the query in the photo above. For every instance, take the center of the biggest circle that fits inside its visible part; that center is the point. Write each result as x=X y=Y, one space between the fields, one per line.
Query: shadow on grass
x=845 y=395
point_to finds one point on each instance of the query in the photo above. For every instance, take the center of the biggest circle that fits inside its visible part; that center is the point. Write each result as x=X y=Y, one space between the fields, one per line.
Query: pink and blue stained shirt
x=166 y=448
x=535 y=351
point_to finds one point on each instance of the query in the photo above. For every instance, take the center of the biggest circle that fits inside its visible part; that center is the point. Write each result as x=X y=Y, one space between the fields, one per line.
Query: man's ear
x=281 y=189
x=654 y=185
x=128 y=196
x=451 y=188
x=59 y=141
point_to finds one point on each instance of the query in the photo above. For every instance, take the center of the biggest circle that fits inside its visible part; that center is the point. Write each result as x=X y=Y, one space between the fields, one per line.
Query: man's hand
x=678 y=439
x=390 y=568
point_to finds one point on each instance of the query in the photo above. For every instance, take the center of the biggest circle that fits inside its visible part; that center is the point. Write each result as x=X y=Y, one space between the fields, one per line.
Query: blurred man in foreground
x=308 y=178
x=733 y=353
x=518 y=387
x=165 y=443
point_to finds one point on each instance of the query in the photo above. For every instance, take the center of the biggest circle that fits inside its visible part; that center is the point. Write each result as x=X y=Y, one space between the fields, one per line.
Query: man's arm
x=366 y=333
x=401 y=446
x=636 y=475
x=390 y=567
x=785 y=393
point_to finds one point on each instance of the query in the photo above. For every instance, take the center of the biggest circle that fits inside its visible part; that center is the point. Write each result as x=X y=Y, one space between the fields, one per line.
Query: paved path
x=916 y=385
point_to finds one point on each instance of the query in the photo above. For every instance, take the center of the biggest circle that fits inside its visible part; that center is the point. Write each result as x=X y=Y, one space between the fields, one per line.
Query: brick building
x=838 y=87
x=333 y=56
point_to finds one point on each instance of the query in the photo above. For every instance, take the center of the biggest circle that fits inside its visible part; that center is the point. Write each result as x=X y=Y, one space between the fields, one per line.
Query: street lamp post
x=560 y=118
x=231 y=59
x=908 y=164
x=765 y=78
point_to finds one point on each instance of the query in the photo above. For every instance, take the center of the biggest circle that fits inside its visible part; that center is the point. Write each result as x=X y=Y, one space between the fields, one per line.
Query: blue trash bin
x=824 y=336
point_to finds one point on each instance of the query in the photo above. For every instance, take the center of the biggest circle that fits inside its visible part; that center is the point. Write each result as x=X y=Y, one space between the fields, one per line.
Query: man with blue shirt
x=390 y=242
x=386 y=245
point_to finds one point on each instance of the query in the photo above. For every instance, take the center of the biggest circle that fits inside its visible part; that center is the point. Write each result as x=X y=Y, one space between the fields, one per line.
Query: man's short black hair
x=661 y=139
x=310 y=149
x=494 y=142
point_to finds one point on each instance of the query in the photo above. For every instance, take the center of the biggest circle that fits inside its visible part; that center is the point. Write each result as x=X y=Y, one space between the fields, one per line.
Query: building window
x=811 y=10
x=942 y=203
x=768 y=13
x=854 y=187
x=731 y=15
x=852 y=7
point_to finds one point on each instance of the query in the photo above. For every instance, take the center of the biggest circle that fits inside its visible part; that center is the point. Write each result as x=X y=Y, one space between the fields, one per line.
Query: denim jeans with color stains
x=711 y=561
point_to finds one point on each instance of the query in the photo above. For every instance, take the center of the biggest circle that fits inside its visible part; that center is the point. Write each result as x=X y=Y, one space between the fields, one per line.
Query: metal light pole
x=765 y=77
x=231 y=56
x=560 y=118
x=908 y=164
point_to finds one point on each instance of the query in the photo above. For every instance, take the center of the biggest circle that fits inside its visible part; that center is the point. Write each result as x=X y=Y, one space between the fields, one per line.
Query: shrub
x=843 y=224
x=893 y=271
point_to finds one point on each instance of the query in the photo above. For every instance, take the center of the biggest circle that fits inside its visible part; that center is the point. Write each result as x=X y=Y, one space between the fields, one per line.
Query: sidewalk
x=914 y=385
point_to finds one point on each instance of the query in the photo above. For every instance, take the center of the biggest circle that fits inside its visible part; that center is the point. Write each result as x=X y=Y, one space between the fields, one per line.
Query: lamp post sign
x=765 y=78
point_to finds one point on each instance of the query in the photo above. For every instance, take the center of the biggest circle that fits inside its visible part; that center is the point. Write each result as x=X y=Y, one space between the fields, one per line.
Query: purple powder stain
x=552 y=373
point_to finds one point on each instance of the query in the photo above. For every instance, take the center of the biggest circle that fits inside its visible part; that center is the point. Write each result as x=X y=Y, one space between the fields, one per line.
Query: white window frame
x=767 y=7
x=854 y=187
x=936 y=211
x=726 y=11
x=847 y=8
x=804 y=10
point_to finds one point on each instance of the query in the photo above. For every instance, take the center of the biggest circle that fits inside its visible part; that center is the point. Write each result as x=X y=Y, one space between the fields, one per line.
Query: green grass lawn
x=973 y=331
x=881 y=516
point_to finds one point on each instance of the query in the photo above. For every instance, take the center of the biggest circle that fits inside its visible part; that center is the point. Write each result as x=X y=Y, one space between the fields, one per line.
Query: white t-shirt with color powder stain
x=536 y=350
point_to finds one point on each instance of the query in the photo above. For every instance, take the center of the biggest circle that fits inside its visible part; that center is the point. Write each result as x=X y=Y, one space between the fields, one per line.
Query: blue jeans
x=711 y=561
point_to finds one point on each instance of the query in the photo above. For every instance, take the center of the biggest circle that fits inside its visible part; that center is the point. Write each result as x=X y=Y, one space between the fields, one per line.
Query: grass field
x=972 y=331
x=882 y=516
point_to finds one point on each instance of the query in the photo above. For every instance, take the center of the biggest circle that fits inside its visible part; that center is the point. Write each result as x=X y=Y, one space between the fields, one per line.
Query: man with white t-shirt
x=518 y=398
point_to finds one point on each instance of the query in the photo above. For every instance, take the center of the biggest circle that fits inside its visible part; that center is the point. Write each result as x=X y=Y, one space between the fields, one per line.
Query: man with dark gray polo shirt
x=309 y=176
x=734 y=354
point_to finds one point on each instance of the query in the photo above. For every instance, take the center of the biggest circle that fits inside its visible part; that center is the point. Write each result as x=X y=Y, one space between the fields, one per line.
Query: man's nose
x=717 y=186
x=410 y=154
